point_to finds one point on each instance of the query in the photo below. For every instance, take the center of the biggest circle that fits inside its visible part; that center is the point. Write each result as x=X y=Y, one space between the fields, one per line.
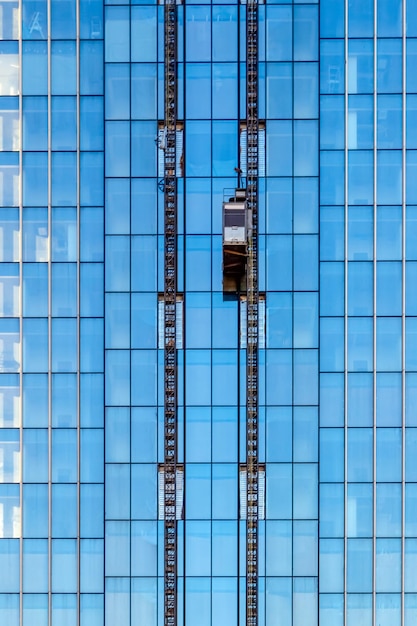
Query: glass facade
x=81 y=280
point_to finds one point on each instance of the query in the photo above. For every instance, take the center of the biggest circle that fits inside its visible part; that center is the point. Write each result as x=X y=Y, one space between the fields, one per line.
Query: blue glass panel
x=305 y=205
x=91 y=510
x=360 y=344
x=143 y=389
x=143 y=149
x=389 y=14
x=332 y=289
x=360 y=288
x=91 y=455
x=360 y=123
x=361 y=18
x=143 y=86
x=91 y=67
x=198 y=89
x=143 y=217
x=278 y=599
x=64 y=70
x=360 y=177
x=144 y=554
x=144 y=491
x=91 y=19
x=35 y=455
x=331 y=565
x=332 y=349
x=389 y=288
x=279 y=320
x=35 y=503
x=278 y=541
x=279 y=34
x=279 y=147
x=35 y=566
x=332 y=66
x=197 y=601
x=390 y=65
x=388 y=565
x=279 y=434
x=91 y=566
x=360 y=399
x=9 y=559
x=279 y=90
x=388 y=399
x=144 y=600
x=359 y=609
x=198 y=548
x=388 y=344
x=117 y=485
x=198 y=33
x=279 y=194
x=359 y=565
x=305 y=486
x=64 y=565
x=331 y=510
x=64 y=510
x=224 y=494
x=331 y=609
x=361 y=66
x=143 y=33
x=332 y=122
x=91 y=178
x=35 y=66
x=332 y=18
x=224 y=24
x=305 y=90
x=306 y=33
x=305 y=374
x=224 y=377
x=117 y=601
x=360 y=510
x=224 y=428
x=332 y=179
x=332 y=400
x=35 y=179
x=305 y=148
x=331 y=455
x=144 y=321
x=279 y=367
x=332 y=234
x=388 y=454
x=360 y=453
x=278 y=491
x=117 y=34
x=117 y=377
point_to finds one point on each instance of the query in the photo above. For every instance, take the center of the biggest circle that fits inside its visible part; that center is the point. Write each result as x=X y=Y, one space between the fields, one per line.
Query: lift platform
x=237 y=227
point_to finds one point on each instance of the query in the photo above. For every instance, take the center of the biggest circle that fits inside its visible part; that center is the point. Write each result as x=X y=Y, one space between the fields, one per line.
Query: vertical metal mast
x=170 y=299
x=252 y=315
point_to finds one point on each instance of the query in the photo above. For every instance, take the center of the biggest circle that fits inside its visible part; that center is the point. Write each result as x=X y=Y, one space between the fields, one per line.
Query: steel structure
x=170 y=300
x=252 y=314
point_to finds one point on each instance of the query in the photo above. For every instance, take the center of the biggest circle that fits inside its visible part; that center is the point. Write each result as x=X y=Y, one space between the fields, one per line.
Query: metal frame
x=170 y=300
x=252 y=315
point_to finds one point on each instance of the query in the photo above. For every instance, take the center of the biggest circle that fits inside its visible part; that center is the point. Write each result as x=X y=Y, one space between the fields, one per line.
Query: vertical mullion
x=20 y=248
x=403 y=278
x=346 y=267
x=375 y=163
x=78 y=322
x=49 y=50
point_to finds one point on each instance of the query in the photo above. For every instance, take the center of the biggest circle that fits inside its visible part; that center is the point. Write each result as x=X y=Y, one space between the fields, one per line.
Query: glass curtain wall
x=367 y=305
x=51 y=370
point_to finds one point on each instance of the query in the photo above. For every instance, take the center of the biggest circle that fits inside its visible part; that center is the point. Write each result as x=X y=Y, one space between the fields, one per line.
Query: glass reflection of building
x=81 y=266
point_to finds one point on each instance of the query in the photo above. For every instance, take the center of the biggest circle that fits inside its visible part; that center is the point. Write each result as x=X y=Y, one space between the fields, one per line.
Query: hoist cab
x=237 y=225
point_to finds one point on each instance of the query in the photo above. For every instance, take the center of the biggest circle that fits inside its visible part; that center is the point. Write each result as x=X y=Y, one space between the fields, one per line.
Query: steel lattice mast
x=252 y=315
x=170 y=299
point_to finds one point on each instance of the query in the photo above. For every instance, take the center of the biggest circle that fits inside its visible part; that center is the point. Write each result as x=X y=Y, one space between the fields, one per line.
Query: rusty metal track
x=252 y=315
x=170 y=299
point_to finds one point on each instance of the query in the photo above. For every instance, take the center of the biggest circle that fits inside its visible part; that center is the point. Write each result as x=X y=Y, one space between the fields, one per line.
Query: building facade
x=82 y=319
